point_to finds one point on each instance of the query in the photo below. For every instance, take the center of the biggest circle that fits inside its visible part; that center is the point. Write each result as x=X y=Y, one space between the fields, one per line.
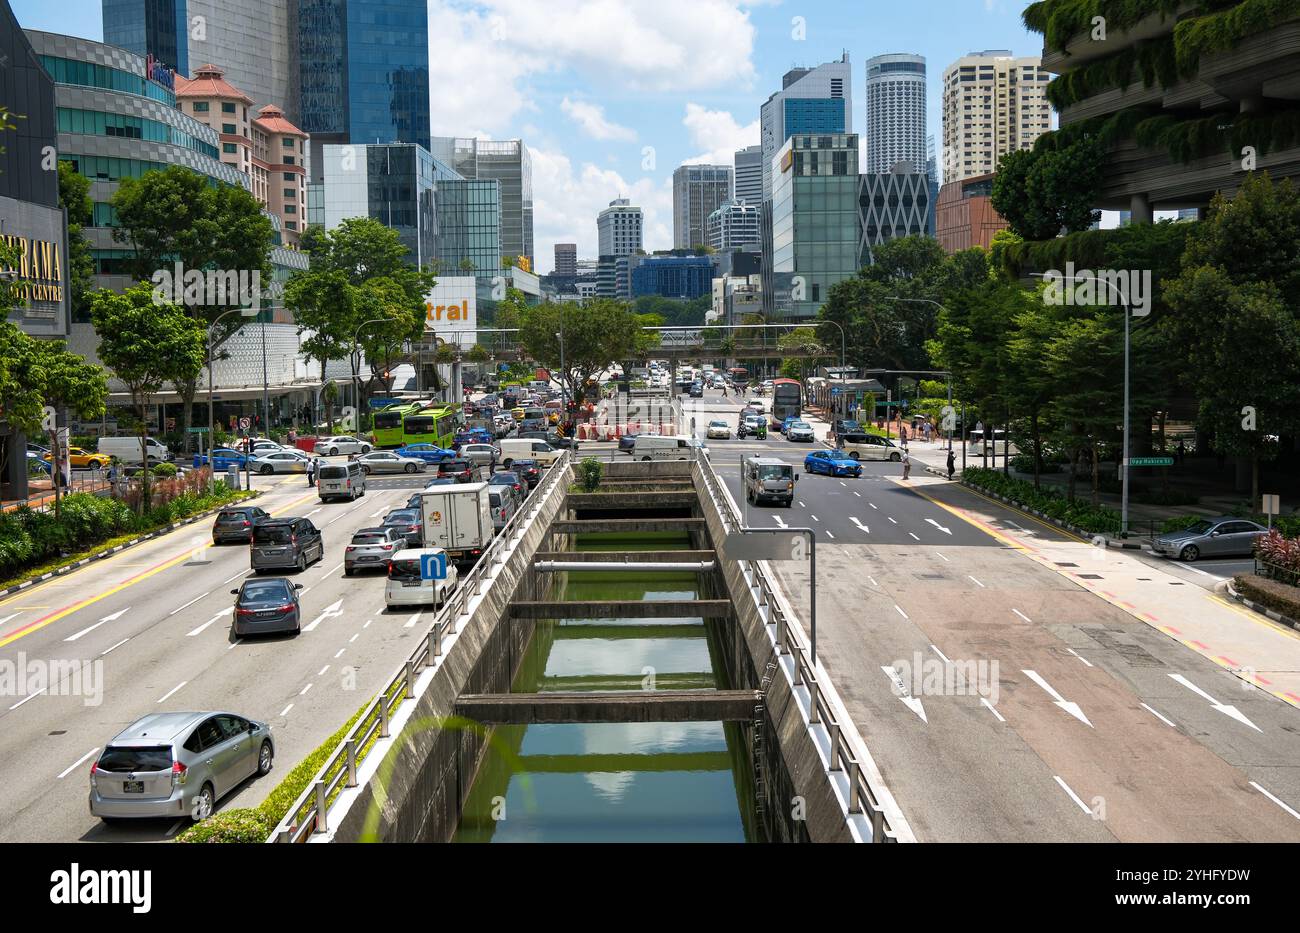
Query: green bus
x=417 y=423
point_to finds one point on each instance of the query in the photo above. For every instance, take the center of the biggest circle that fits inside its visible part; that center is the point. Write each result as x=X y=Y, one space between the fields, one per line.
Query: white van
x=663 y=447
x=404 y=586
x=127 y=449
x=340 y=480
x=526 y=448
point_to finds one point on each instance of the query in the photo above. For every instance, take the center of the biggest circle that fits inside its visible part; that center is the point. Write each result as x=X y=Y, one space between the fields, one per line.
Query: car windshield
x=717 y=424
x=369 y=537
x=1200 y=527
x=401 y=516
x=271 y=534
x=264 y=589
x=232 y=516
x=118 y=758
x=333 y=472
x=404 y=569
x=773 y=471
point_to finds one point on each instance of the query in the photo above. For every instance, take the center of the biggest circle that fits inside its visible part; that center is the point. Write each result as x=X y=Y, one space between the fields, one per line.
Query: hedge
x=1271 y=594
x=1051 y=502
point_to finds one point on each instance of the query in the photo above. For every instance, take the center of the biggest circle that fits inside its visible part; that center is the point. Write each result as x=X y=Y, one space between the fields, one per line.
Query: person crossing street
x=907 y=464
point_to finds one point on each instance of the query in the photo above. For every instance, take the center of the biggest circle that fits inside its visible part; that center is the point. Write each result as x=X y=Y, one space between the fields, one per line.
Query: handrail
x=309 y=814
x=790 y=640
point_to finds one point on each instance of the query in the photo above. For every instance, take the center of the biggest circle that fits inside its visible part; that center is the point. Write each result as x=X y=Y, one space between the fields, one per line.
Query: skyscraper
x=895 y=112
x=734 y=225
x=508 y=161
x=618 y=229
x=811 y=100
x=749 y=175
x=993 y=103
x=154 y=28
x=698 y=190
x=566 y=259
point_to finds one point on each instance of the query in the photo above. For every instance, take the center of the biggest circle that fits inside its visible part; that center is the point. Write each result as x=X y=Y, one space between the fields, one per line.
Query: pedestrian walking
x=926 y=428
x=907 y=464
x=311 y=472
x=952 y=463
x=1181 y=452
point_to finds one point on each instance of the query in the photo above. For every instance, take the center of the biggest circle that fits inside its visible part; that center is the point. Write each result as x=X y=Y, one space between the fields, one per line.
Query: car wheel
x=347 y=571
x=265 y=757
x=266 y=470
x=895 y=458
x=645 y=459
x=202 y=807
x=365 y=448
x=334 y=451
x=302 y=562
x=1190 y=553
x=853 y=454
x=411 y=468
x=365 y=468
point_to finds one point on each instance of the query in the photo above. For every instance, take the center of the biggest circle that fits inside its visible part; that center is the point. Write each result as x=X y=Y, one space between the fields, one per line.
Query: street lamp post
x=356 y=368
x=564 y=373
x=244 y=312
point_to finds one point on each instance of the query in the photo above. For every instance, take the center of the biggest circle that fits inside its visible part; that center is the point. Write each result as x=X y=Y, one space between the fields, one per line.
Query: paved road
x=158 y=617
x=1031 y=709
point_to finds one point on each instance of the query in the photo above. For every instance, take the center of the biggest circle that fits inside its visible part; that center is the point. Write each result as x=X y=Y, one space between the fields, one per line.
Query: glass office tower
x=469 y=227
x=148 y=27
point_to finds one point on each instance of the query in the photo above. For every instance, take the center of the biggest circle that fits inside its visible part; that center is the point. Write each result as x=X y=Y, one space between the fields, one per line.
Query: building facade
x=733 y=225
x=673 y=276
x=748 y=165
x=606 y=277
x=392 y=183
x=698 y=190
x=966 y=217
x=811 y=100
x=892 y=205
x=566 y=259
x=510 y=164
x=993 y=103
x=896 y=121
x=468 y=213
x=816 y=232
x=618 y=229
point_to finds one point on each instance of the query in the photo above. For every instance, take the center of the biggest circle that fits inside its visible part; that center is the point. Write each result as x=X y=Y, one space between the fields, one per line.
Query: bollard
x=435 y=642
x=814 y=714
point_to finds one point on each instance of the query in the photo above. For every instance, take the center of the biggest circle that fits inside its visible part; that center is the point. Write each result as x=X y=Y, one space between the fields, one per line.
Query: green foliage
x=597 y=333
x=674 y=312
x=1050 y=501
x=74 y=194
x=1280 y=596
x=245 y=824
x=164 y=470
x=1153 y=61
x=1219 y=32
x=1043 y=191
x=1061 y=21
x=590 y=471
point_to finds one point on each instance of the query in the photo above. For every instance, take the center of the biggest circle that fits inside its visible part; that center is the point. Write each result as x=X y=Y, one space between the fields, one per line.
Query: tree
x=146 y=344
x=322 y=302
x=72 y=383
x=175 y=215
x=74 y=195
x=597 y=333
x=467 y=265
x=383 y=299
x=1050 y=188
x=801 y=339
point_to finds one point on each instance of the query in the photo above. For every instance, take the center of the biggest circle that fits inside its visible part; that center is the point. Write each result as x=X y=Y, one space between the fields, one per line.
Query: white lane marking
x=175 y=826
x=941 y=554
x=76 y=764
x=1069 y=707
x=1079 y=656
x=992 y=709
x=1073 y=795
x=844 y=484
x=410 y=623
x=873 y=581
x=354 y=638
x=367 y=625
x=981 y=585
x=890 y=517
x=873 y=505
x=331 y=570
x=7 y=618
x=172 y=690
x=901 y=691
x=333 y=609
x=1158 y=716
x=339 y=652
x=1275 y=800
x=1200 y=571
x=91 y=628
x=377 y=514
x=118 y=645
x=305 y=689
x=946 y=531
x=900 y=610
x=830 y=535
x=311 y=513
x=914 y=537
x=858 y=494
x=814 y=518
x=235 y=644
x=321 y=672
x=190 y=603
x=30 y=696
x=857 y=521
x=936 y=650
x=242 y=573
x=199 y=630
x=285 y=711
x=303 y=591
x=1023 y=616
x=1224 y=708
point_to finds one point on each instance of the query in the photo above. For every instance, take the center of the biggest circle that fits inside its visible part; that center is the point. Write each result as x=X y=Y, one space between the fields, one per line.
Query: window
x=200 y=106
x=232 y=726
x=290 y=176
x=286 y=143
x=288 y=160
x=228 y=129
x=210 y=733
x=291 y=208
x=229 y=148
x=227 y=108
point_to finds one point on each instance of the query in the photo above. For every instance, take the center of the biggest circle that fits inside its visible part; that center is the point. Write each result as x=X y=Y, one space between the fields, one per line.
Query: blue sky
x=612 y=95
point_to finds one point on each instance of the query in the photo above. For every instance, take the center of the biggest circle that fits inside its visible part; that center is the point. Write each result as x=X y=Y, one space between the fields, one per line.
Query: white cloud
x=567 y=198
x=718 y=134
x=591 y=117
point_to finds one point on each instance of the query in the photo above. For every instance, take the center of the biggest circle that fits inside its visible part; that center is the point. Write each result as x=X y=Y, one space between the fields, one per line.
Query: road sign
x=244 y=423
x=1150 y=461
x=1272 y=505
x=777 y=546
x=433 y=566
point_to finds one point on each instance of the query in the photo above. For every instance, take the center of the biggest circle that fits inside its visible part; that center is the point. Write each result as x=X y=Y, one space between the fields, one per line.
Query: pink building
x=263 y=145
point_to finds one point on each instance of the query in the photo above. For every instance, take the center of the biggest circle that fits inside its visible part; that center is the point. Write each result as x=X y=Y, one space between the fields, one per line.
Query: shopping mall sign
x=451 y=310
x=39 y=267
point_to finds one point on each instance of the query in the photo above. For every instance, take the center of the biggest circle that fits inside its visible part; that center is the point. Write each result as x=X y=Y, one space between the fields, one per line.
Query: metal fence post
x=322 y=822
x=350 y=746
x=383 y=716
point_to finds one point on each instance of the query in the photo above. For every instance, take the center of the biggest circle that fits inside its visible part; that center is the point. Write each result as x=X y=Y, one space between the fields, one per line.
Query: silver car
x=279 y=461
x=799 y=431
x=178 y=764
x=372 y=547
x=385 y=461
x=480 y=454
x=501 y=501
x=341 y=444
x=1225 y=536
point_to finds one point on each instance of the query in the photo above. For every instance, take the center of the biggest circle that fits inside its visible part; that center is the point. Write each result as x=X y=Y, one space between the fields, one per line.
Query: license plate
x=133 y=787
x=410 y=584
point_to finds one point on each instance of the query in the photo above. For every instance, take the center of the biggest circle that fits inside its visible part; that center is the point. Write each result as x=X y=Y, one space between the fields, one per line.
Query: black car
x=530 y=471
x=697 y=390
x=236 y=523
x=460 y=469
x=512 y=479
x=407 y=521
x=264 y=606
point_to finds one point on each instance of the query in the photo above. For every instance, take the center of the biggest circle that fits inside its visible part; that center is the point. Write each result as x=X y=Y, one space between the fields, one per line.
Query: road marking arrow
x=901 y=691
x=1225 y=708
x=1071 y=708
x=91 y=628
x=333 y=609
x=946 y=531
x=861 y=527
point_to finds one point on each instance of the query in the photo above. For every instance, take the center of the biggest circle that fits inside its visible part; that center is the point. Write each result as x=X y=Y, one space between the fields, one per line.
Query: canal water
x=617 y=782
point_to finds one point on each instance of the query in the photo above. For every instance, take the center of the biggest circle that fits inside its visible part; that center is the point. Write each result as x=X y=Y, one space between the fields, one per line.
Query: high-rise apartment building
x=811 y=100
x=566 y=259
x=618 y=229
x=508 y=161
x=895 y=130
x=748 y=163
x=698 y=190
x=993 y=103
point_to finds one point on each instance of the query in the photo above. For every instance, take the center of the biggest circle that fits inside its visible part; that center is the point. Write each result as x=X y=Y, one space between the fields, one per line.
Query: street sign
x=1150 y=461
x=1272 y=505
x=789 y=546
x=244 y=423
x=198 y=430
x=433 y=566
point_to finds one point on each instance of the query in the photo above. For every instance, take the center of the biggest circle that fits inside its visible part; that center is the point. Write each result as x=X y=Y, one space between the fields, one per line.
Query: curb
x=1073 y=529
x=1253 y=606
x=100 y=555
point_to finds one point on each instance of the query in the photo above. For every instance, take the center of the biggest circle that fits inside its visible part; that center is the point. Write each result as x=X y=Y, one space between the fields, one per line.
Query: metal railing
x=1272 y=571
x=790 y=640
x=310 y=812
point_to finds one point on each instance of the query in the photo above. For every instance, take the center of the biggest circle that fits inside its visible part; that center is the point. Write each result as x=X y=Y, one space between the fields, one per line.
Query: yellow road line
x=1033 y=518
x=1254 y=616
x=982 y=526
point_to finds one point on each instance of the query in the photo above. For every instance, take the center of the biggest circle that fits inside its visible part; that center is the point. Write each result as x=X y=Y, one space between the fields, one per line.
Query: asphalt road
x=1030 y=708
x=158 y=617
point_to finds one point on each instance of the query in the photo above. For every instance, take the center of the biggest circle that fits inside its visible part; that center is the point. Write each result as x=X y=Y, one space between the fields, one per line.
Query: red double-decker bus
x=787 y=400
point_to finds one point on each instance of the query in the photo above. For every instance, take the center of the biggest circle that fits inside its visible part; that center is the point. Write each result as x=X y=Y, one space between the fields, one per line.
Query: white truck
x=457 y=519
